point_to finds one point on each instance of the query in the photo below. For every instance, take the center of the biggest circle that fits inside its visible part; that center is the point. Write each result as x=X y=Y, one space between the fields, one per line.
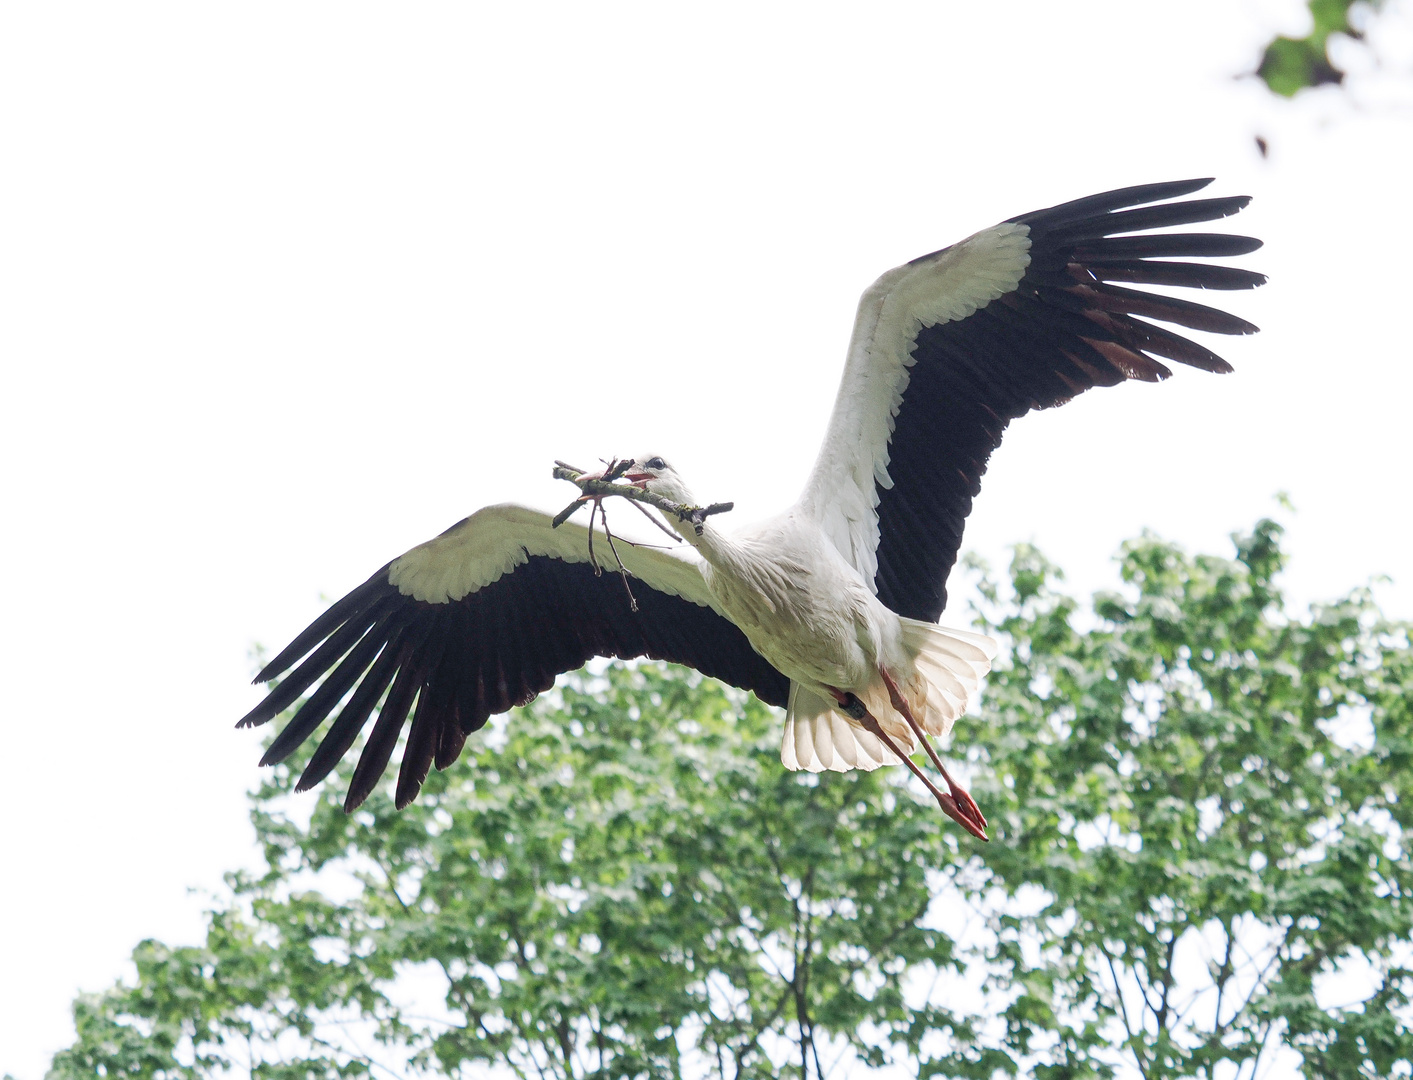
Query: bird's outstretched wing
x=476 y=621
x=951 y=347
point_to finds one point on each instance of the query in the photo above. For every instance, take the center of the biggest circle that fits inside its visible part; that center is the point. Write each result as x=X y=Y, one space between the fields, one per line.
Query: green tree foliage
x=628 y=862
x=1293 y=64
x=1169 y=778
x=1199 y=805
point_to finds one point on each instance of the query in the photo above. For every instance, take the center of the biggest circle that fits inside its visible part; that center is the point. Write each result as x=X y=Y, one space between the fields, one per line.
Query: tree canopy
x=1199 y=804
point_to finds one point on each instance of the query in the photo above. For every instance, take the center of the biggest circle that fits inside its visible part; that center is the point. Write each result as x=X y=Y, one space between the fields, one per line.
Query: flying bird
x=829 y=609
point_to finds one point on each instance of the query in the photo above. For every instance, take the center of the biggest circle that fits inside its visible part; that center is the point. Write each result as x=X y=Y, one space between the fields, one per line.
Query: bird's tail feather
x=819 y=737
x=950 y=665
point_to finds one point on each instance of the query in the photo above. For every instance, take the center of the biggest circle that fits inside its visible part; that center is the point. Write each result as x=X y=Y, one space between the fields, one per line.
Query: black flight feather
x=453 y=665
x=1063 y=330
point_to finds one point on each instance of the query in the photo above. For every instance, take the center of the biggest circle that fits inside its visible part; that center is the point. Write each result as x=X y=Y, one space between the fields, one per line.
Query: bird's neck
x=715 y=546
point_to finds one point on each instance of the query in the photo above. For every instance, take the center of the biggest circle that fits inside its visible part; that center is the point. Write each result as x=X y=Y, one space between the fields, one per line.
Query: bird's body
x=811 y=614
x=829 y=608
x=798 y=603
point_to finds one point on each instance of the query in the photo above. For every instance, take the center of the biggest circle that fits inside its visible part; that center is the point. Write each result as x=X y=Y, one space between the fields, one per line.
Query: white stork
x=830 y=608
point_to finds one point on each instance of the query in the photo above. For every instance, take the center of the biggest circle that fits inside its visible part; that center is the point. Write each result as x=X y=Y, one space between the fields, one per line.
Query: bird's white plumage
x=944 y=287
x=950 y=664
x=939 y=670
x=816 y=619
x=819 y=738
x=493 y=541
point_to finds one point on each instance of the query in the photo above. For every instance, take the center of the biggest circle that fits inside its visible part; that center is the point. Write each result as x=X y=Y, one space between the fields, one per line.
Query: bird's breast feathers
x=799 y=604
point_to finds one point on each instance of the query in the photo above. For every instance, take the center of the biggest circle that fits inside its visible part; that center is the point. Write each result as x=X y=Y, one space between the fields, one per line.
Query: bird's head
x=651 y=472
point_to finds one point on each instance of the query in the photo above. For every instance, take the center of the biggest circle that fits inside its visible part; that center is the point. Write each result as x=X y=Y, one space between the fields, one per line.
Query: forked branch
x=601 y=485
x=595 y=487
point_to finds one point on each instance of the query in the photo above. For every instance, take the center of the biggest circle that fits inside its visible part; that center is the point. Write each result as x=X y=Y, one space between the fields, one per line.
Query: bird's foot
x=959 y=794
x=966 y=814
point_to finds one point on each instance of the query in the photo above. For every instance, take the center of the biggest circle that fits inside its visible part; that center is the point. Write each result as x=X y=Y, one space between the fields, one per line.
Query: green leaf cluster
x=1293 y=64
x=1199 y=806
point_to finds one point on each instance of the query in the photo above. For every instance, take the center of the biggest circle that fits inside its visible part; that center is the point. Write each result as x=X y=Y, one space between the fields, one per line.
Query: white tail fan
x=950 y=666
x=817 y=737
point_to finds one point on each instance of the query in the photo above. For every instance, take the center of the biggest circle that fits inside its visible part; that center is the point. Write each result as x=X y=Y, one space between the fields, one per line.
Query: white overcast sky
x=286 y=288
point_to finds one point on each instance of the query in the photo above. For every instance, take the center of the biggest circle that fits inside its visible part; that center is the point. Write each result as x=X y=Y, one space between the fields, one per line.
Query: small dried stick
x=622 y=570
x=638 y=507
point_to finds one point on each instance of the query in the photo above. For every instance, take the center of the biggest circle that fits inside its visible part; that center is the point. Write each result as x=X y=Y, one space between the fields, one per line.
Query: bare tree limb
x=602 y=485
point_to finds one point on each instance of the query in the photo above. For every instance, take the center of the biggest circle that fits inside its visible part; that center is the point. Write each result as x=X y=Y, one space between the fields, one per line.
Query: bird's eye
x=656 y=463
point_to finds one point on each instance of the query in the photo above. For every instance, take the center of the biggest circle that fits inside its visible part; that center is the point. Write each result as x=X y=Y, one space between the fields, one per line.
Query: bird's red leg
x=960 y=794
x=858 y=711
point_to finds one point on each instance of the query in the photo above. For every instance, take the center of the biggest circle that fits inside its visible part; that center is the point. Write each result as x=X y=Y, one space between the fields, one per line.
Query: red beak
x=639 y=478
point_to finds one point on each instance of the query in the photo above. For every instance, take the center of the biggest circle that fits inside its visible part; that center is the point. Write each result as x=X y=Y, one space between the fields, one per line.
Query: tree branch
x=1223 y=976
x=1133 y=1040
x=1167 y=983
x=602 y=485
